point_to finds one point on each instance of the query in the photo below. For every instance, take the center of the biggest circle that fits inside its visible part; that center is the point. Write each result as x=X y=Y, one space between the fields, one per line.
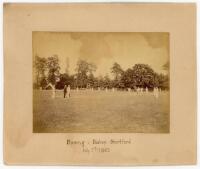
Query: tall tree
x=107 y=82
x=91 y=80
x=40 y=68
x=84 y=69
x=53 y=69
x=117 y=71
x=100 y=81
x=163 y=81
x=128 y=79
x=144 y=76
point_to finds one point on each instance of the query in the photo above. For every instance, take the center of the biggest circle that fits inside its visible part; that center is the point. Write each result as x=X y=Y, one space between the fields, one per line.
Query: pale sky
x=103 y=49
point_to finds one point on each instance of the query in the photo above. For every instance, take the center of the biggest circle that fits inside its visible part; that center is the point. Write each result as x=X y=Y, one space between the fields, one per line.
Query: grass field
x=100 y=111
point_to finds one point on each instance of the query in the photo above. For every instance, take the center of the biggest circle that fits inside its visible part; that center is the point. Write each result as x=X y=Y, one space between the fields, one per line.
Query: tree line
x=47 y=70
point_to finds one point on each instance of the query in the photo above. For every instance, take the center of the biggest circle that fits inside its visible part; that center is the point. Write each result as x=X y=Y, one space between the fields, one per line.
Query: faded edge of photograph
x=101 y=82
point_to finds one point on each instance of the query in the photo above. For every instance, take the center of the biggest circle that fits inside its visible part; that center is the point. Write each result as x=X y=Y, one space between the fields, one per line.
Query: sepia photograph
x=101 y=82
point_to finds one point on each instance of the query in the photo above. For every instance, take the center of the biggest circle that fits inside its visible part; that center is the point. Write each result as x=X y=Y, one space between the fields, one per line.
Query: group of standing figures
x=67 y=91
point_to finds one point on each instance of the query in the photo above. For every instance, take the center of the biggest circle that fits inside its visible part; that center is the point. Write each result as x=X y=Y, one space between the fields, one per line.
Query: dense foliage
x=140 y=75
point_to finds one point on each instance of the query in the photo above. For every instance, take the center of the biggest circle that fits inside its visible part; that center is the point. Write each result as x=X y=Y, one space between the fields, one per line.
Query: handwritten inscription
x=97 y=145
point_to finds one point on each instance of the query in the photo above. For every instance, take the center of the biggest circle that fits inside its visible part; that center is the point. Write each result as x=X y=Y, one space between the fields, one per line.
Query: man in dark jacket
x=65 y=90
